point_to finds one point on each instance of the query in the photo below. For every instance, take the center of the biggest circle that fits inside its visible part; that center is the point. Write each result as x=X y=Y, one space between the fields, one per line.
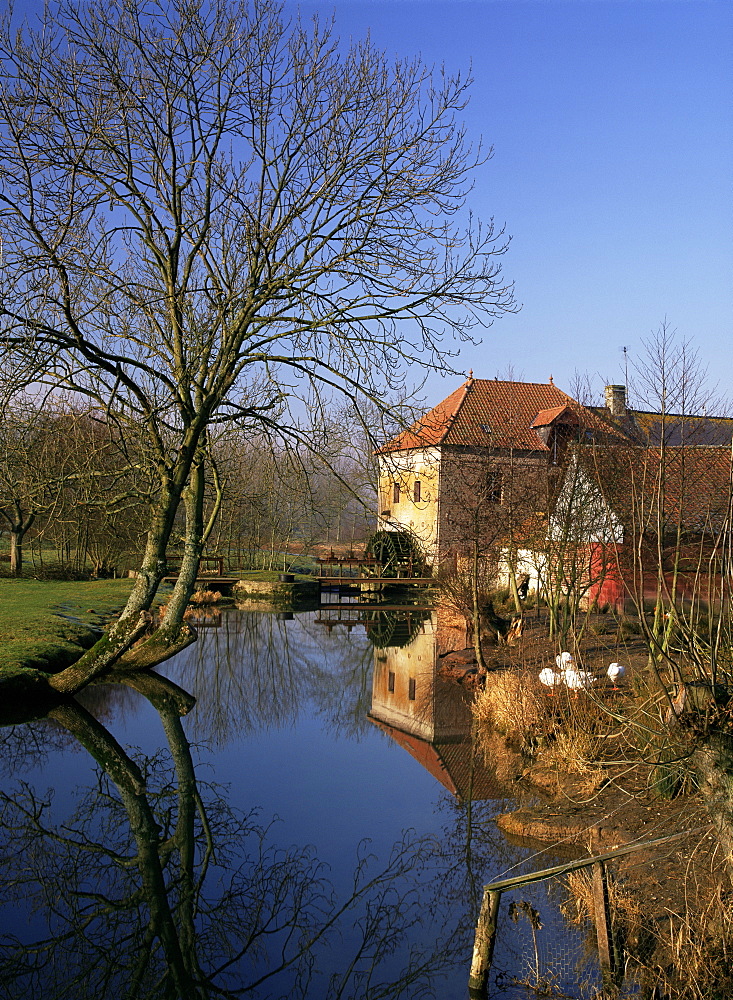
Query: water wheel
x=394 y=628
x=397 y=553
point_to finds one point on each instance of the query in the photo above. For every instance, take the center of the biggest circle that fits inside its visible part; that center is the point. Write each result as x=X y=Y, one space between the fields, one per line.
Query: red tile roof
x=494 y=414
x=453 y=763
x=696 y=485
x=546 y=417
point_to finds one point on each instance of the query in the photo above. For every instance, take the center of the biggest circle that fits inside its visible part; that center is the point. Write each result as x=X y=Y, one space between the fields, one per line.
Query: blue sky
x=612 y=128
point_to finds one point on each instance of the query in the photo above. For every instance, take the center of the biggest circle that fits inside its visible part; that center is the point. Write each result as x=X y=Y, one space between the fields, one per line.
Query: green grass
x=47 y=624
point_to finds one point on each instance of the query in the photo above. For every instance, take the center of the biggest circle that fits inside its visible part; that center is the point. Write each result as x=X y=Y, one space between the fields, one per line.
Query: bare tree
x=65 y=474
x=212 y=214
x=24 y=487
x=682 y=496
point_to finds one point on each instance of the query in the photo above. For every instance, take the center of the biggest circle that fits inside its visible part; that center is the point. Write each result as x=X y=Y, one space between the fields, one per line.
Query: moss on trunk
x=166 y=641
x=103 y=654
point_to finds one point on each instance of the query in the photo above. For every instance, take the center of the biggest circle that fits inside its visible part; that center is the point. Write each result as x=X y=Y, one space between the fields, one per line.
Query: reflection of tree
x=147 y=891
x=257 y=671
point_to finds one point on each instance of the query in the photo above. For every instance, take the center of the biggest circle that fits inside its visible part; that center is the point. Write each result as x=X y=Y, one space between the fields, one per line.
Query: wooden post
x=603 y=922
x=483 y=945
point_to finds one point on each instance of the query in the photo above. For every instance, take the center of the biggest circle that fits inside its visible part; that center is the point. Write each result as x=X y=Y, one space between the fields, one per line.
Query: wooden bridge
x=214 y=578
x=348 y=570
x=359 y=571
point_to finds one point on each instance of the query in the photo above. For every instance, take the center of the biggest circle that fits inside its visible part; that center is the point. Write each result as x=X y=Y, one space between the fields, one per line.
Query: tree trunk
x=173 y=634
x=18 y=528
x=514 y=590
x=103 y=654
x=154 y=564
x=481 y=663
x=16 y=551
x=193 y=499
x=135 y=619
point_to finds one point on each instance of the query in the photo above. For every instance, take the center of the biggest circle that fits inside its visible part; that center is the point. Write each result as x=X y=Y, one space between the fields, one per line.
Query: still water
x=292 y=808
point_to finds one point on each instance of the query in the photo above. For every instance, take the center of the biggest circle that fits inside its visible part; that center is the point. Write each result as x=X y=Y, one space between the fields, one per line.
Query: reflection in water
x=155 y=887
x=430 y=716
x=151 y=883
x=258 y=670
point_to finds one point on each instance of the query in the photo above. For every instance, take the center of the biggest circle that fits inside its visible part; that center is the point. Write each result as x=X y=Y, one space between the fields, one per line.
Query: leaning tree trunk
x=114 y=648
x=194 y=541
x=171 y=702
x=135 y=620
x=130 y=784
x=173 y=634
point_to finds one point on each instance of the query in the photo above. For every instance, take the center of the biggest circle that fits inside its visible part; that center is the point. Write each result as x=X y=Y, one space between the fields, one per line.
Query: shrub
x=205 y=597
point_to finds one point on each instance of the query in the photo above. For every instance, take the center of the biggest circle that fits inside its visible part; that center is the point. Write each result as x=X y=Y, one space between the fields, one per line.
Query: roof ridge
x=510 y=381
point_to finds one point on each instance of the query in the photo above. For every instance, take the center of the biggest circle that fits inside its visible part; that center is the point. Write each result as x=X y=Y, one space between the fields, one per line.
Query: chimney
x=616 y=400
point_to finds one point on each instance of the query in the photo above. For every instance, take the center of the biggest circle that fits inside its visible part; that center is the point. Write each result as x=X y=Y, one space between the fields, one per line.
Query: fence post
x=483 y=945
x=603 y=922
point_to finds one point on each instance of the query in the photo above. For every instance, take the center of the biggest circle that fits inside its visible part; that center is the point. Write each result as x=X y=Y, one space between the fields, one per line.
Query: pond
x=315 y=824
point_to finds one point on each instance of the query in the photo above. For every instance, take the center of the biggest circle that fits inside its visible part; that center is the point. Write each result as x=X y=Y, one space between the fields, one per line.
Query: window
x=494 y=485
x=396 y=493
x=411 y=689
x=417 y=491
x=390 y=681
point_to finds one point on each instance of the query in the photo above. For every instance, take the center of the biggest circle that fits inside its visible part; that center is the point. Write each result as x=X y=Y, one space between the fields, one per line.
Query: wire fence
x=610 y=955
x=535 y=953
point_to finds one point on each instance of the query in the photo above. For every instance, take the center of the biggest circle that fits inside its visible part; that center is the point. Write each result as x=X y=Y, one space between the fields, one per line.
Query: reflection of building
x=429 y=716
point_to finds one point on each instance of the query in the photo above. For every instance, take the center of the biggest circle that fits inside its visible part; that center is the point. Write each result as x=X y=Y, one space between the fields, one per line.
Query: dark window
x=417 y=490
x=411 y=689
x=390 y=681
x=494 y=485
x=396 y=493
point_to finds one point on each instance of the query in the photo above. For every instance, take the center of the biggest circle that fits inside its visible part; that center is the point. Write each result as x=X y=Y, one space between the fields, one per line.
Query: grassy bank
x=47 y=624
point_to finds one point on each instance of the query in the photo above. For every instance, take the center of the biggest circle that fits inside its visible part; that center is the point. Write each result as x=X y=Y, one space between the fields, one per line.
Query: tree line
x=75 y=491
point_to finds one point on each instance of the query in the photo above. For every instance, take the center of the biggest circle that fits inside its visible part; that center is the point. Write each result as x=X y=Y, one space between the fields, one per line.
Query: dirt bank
x=588 y=777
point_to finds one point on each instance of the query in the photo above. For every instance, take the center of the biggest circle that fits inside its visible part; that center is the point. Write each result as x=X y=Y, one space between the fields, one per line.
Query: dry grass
x=511 y=704
x=200 y=597
x=573 y=750
x=702 y=954
x=564 y=732
x=691 y=960
x=579 y=906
